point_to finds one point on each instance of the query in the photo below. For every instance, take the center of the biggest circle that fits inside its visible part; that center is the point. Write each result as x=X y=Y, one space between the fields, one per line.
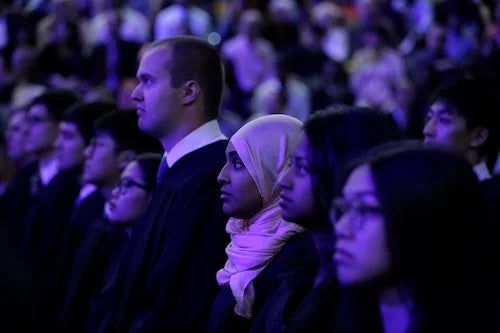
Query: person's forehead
x=442 y=107
x=68 y=127
x=133 y=171
x=103 y=137
x=17 y=118
x=38 y=109
x=157 y=56
x=360 y=181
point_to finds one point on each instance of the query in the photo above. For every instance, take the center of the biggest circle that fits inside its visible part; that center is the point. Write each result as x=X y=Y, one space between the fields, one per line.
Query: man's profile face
x=69 y=145
x=43 y=129
x=16 y=135
x=159 y=105
x=447 y=128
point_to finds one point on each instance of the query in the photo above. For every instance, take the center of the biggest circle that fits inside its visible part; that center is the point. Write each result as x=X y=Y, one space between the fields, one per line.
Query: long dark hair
x=336 y=135
x=437 y=234
x=149 y=163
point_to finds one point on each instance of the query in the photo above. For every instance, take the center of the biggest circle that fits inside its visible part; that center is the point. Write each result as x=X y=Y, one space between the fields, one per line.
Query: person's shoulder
x=207 y=157
x=300 y=245
x=297 y=254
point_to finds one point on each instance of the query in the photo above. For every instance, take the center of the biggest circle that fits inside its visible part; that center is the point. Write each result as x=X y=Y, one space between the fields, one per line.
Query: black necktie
x=161 y=170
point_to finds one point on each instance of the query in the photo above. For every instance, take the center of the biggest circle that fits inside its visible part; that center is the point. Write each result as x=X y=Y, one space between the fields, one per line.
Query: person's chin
x=288 y=216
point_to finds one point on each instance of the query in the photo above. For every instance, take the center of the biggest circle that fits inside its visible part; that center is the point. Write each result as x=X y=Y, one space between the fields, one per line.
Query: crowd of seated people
x=295 y=56
x=250 y=166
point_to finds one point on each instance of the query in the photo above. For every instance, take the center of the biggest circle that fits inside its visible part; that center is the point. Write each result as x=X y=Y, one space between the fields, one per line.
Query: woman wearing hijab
x=264 y=247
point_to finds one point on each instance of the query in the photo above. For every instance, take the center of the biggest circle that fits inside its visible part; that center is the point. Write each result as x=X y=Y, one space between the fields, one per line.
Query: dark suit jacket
x=166 y=281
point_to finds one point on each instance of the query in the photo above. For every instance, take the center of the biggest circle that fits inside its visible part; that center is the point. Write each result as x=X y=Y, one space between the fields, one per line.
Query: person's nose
x=284 y=181
x=137 y=93
x=429 y=128
x=223 y=178
x=343 y=227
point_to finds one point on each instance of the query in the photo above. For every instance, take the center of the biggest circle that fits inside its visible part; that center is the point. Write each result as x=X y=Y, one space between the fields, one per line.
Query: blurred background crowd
x=289 y=56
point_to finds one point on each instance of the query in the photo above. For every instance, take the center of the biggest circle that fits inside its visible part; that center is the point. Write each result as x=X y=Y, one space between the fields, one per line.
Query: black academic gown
x=14 y=203
x=48 y=214
x=44 y=223
x=278 y=289
x=93 y=263
x=84 y=215
x=166 y=281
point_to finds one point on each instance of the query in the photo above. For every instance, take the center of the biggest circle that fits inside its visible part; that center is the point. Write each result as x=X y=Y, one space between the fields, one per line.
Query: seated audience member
x=411 y=250
x=75 y=132
x=263 y=246
x=54 y=205
x=35 y=154
x=16 y=195
x=463 y=118
x=330 y=138
x=50 y=195
x=101 y=249
x=116 y=141
x=15 y=138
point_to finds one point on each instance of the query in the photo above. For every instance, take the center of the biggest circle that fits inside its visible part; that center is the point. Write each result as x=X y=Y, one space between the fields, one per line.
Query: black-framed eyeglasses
x=124 y=184
x=356 y=209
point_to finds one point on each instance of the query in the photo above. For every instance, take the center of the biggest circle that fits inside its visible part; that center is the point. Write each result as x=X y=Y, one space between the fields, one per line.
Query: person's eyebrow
x=233 y=153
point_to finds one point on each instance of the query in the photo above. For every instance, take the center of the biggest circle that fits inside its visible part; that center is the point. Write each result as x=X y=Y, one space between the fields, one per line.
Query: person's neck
x=46 y=157
x=395 y=310
x=325 y=245
x=171 y=139
x=473 y=157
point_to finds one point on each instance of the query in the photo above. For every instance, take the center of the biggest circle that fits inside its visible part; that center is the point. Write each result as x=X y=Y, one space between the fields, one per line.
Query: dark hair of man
x=56 y=101
x=194 y=59
x=429 y=197
x=473 y=99
x=122 y=127
x=336 y=135
x=83 y=116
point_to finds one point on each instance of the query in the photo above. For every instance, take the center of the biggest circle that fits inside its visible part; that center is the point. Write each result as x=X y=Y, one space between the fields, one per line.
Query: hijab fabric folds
x=263 y=146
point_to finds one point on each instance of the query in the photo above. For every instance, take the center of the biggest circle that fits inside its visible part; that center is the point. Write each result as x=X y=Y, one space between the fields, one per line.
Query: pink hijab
x=264 y=145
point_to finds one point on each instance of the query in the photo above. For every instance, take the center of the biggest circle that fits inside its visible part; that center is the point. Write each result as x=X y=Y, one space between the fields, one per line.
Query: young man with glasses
x=115 y=142
x=47 y=195
x=100 y=251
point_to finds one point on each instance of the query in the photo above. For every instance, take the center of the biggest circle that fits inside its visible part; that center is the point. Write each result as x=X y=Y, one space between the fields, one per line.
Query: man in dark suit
x=166 y=281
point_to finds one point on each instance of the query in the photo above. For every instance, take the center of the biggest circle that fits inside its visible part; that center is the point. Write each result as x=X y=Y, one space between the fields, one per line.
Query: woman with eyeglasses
x=411 y=253
x=100 y=251
x=330 y=138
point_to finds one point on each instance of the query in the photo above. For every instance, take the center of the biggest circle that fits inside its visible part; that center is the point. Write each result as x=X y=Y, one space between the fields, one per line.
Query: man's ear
x=478 y=137
x=125 y=157
x=191 y=91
